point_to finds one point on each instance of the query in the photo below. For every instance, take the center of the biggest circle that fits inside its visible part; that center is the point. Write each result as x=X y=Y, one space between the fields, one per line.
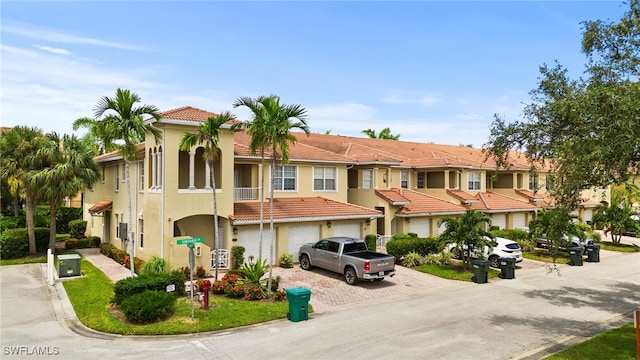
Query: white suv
x=504 y=248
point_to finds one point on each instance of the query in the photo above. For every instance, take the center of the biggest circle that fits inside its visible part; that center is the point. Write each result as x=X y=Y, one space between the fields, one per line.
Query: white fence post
x=50 y=261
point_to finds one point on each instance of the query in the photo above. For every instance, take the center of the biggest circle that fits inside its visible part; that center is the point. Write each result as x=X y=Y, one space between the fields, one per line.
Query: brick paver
x=109 y=267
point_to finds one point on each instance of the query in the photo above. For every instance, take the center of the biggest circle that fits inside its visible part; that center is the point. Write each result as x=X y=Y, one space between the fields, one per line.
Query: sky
x=430 y=71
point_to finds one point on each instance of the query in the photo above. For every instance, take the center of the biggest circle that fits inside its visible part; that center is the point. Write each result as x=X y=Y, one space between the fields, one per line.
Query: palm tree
x=615 y=218
x=384 y=134
x=467 y=233
x=208 y=135
x=71 y=168
x=273 y=128
x=120 y=126
x=18 y=148
x=556 y=226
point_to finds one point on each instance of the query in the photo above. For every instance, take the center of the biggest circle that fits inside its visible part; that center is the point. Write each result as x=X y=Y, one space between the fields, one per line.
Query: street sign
x=190 y=241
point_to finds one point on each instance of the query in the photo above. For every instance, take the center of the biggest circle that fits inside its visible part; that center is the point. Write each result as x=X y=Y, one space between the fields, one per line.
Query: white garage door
x=422 y=227
x=349 y=229
x=499 y=220
x=519 y=220
x=250 y=240
x=588 y=215
x=299 y=235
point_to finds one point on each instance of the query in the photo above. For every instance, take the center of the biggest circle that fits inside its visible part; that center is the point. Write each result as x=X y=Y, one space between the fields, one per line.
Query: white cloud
x=425 y=100
x=57 y=51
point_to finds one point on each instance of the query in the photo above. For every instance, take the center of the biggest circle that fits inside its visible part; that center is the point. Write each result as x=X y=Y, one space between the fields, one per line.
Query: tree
x=70 y=169
x=271 y=126
x=556 y=225
x=614 y=218
x=18 y=148
x=587 y=129
x=121 y=126
x=468 y=234
x=208 y=135
x=384 y=134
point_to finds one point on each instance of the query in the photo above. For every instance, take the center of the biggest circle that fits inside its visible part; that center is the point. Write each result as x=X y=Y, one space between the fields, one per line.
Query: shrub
x=253 y=292
x=12 y=222
x=200 y=272
x=64 y=215
x=137 y=263
x=413 y=259
x=234 y=290
x=372 y=242
x=404 y=245
x=139 y=284
x=237 y=257
x=280 y=295
x=186 y=271
x=254 y=272
x=444 y=258
x=14 y=244
x=106 y=249
x=275 y=283
x=148 y=306
x=155 y=265
x=218 y=287
x=94 y=241
x=286 y=261
x=77 y=228
x=76 y=244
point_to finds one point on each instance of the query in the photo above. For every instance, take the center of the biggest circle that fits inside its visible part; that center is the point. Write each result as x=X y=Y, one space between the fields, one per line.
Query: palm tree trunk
x=130 y=227
x=261 y=208
x=53 y=210
x=215 y=218
x=273 y=171
x=31 y=210
x=16 y=206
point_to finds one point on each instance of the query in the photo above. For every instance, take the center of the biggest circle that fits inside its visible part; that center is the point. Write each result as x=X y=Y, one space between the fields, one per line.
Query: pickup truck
x=347 y=256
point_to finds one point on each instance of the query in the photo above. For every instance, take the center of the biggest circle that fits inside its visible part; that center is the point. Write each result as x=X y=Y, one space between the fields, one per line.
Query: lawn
x=455 y=271
x=29 y=259
x=544 y=256
x=91 y=296
x=608 y=245
x=617 y=344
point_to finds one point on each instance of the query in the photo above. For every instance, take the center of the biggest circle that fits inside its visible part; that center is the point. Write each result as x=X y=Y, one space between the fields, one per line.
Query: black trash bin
x=575 y=256
x=507 y=268
x=480 y=270
x=298 y=304
x=593 y=253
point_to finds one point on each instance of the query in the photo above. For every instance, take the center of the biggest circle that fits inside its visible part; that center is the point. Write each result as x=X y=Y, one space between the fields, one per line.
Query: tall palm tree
x=208 y=135
x=18 y=148
x=120 y=125
x=467 y=232
x=384 y=134
x=71 y=168
x=275 y=122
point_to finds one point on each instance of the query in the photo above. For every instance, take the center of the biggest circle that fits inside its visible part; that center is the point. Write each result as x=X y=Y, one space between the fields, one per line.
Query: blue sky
x=431 y=71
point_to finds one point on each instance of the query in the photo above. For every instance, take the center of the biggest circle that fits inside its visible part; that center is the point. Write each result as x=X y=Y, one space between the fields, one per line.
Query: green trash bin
x=298 y=304
x=575 y=256
x=507 y=268
x=593 y=253
x=480 y=269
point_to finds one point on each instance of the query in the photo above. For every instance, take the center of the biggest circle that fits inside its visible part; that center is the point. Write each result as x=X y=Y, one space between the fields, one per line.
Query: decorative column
x=160 y=166
x=192 y=156
x=154 y=171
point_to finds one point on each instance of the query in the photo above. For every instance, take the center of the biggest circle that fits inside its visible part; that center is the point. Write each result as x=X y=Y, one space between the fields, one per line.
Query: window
x=284 y=178
x=324 y=178
x=404 y=179
x=333 y=247
x=473 y=180
x=421 y=180
x=367 y=179
x=141 y=170
x=534 y=182
x=124 y=172
x=141 y=227
x=117 y=177
x=103 y=174
x=117 y=227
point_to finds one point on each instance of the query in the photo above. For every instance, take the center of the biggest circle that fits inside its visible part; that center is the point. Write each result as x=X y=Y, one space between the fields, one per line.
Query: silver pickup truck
x=347 y=256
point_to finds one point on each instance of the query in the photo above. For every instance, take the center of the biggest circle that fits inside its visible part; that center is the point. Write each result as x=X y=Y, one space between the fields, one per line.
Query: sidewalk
x=109 y=267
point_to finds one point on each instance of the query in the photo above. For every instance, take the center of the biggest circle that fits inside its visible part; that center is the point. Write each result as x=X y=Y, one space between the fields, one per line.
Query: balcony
x=245 y=193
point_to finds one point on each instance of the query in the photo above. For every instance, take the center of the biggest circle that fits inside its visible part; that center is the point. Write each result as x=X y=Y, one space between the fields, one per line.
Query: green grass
x=608 y=245
x=91 y=296
x=454 y=271
x=30 y=259
x=618 y=344
x=544 y=256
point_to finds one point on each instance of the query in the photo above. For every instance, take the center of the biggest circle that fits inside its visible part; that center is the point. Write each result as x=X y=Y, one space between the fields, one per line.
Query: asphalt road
x=527 y=317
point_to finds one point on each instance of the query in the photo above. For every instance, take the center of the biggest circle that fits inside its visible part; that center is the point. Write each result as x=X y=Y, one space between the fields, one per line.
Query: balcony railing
x=245 y=194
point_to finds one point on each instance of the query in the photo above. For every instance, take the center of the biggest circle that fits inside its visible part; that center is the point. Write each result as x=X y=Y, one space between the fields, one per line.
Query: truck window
x=333 y=246
x=322 y=245
x=353 y=247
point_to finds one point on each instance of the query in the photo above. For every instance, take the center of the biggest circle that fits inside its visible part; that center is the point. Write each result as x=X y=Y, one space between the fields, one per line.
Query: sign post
x=191 y=244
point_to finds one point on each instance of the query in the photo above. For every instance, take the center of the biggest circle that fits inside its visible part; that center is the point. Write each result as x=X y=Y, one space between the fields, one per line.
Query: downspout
x=162 y=232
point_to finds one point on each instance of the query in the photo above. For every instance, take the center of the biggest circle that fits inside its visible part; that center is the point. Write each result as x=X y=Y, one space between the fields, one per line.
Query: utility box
x=68 y=265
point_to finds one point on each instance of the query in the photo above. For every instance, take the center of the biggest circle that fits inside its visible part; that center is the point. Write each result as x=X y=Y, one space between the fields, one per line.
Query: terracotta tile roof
x=420 y=203
x=100 y=207
x=115 y=155
x=300 y=209
x=492 y=202
x=463 y=196
x=393 y=196
x=540 y=200
x=590 y=203
x=188 y=113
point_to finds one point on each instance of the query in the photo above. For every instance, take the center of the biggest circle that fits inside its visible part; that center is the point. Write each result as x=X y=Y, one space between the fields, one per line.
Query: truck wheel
x=350 y=276
x=305 y=264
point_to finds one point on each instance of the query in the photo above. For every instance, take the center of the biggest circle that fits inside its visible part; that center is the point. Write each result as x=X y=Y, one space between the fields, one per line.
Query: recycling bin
x=298 y=304
x=507 y=268
x=68 y=265
x=575 y=256
x=480 y=270
x=593 y=253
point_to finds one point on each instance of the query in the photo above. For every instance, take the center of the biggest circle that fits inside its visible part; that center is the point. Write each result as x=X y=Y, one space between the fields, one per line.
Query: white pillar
x=192 y=156
x=50 y=260
x=154 y=170
x=160 y=165
x=207 y=177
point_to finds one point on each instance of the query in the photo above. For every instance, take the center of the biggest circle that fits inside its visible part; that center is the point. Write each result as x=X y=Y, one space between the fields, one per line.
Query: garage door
x=499 y=220
x=299 y=235
x=348 y=229
x=250 y=240
x=422 y=227
x=519 y=220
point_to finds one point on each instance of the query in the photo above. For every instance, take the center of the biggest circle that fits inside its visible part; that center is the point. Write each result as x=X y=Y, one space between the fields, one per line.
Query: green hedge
x=511 y=234
x=14 y=243
x=399 y=247
x=77 y=228
x=148 y=306
x=237 y=257
x=139 y=284
x=64 y=215
x=371 y=242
